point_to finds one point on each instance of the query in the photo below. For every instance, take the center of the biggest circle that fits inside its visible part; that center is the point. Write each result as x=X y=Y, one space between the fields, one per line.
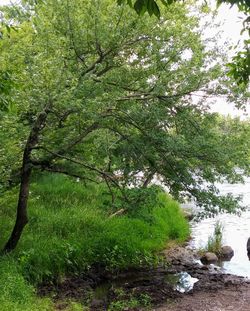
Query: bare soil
x=233 y=298
x=215 y=291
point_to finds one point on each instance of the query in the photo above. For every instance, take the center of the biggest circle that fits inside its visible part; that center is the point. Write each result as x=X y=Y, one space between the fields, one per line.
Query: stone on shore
x=209 y=258
x=226 y=252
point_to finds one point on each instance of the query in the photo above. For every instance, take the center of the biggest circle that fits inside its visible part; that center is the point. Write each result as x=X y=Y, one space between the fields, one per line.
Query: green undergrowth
x=16 y=293
x=70 y=231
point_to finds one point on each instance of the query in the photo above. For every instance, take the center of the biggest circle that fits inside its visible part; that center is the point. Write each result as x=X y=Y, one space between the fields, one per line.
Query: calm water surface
x=236 y=231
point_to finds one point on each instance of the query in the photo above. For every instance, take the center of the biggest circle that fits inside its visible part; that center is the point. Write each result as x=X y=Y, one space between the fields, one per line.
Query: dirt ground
x=234 y=298
x=214 y=290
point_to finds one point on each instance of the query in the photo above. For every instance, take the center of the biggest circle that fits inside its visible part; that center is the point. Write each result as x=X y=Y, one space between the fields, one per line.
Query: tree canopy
x=153 y=6
x=240 y=64
x=101 y=94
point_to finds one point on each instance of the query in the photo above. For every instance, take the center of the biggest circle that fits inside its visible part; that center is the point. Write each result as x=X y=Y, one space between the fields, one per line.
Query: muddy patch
x=139 y=289
x=142 y=287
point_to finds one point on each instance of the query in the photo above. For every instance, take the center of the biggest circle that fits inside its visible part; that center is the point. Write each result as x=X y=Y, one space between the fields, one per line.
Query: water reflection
x=185 y=283
x=236 y=231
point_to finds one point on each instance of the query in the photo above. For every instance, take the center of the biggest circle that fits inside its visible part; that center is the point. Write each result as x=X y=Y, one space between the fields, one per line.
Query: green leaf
x=140 y=7
x=8 y=28
x=153 y=8
x=130 y=3
x=167 y=2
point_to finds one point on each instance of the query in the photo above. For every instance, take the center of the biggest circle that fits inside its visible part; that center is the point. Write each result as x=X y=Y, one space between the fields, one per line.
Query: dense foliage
x=105 y=96
x=153 y=6
x=240 y=64
x=118 y=103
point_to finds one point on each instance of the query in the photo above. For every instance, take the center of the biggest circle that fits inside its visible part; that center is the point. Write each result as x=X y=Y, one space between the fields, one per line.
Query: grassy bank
x=70 y=231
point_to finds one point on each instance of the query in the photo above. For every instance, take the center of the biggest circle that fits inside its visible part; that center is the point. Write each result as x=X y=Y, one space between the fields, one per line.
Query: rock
x=188 y=214
x=179 y=256
x=208 y=258
x=226 y=252
x=248 y=245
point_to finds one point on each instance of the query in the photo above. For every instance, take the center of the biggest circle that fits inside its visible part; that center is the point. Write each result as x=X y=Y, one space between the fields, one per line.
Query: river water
x=236 y=231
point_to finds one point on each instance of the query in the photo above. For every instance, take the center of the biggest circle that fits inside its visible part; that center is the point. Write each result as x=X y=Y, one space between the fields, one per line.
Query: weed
x=121 y=305
x=214 y=242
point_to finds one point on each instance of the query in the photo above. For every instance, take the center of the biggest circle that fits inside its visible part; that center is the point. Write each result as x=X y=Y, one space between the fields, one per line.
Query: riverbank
x=96 y=262
x=183 y=284
x=72 y=232
x=214 y=290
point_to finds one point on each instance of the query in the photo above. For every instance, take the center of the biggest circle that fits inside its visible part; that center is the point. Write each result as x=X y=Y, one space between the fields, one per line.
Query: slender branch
x=110 y=189
x=72 y=35
x=89 y=130
x=98 y=61
x=119 y=212
x=69 y=146
x=105 y=70
x=125 y=88
x=103 y=174
x=148 y=179
x=64 y=172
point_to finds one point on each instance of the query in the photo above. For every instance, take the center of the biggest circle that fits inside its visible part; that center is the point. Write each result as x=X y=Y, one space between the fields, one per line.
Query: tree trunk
x=21 y=215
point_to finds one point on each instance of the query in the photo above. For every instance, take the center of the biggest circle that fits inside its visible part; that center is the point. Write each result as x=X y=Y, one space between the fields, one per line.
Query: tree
x=150 y=6
x=153 y=6
x=240 y=65
x=104 y=96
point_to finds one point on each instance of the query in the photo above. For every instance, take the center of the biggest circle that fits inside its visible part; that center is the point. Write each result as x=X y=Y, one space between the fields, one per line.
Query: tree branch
x=103 y=174
x=64 y=172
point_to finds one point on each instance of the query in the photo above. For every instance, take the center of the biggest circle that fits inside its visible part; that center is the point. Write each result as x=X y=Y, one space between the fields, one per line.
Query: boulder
x=226 y=252
x=208 y=258
x=248 y=246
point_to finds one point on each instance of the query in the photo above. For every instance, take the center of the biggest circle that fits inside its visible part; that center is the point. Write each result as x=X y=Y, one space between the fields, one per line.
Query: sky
x=231 y=25
x=2 y=2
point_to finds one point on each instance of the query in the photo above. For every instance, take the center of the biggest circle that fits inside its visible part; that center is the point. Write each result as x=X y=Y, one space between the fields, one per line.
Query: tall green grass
x=16 y=293
x=215 y=241
x=69 y=231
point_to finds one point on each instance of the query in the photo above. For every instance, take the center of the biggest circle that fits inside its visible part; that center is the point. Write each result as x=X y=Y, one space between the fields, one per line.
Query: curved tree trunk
x=21 y=215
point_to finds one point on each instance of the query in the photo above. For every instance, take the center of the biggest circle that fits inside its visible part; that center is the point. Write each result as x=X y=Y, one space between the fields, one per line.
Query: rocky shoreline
x=99 y=289
x=210 y=276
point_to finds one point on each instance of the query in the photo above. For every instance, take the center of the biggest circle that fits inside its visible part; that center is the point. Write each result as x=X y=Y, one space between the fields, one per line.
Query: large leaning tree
x=104 y=95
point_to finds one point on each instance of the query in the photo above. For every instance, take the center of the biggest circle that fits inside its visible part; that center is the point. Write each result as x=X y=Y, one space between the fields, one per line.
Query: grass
x=214 y=243
x=16 y=293
x=124 y=301
x=69 y=231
